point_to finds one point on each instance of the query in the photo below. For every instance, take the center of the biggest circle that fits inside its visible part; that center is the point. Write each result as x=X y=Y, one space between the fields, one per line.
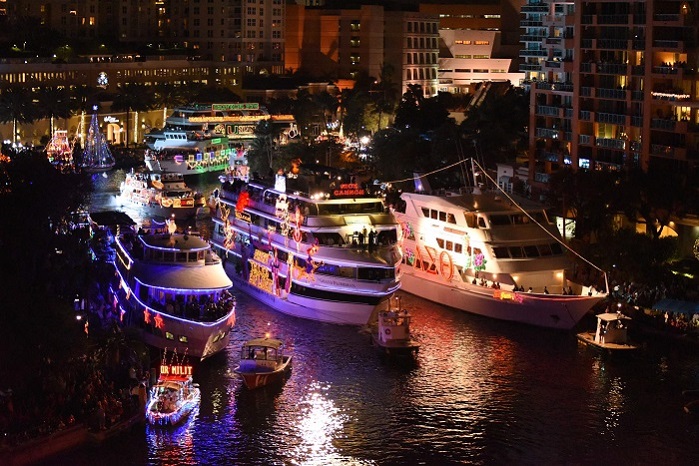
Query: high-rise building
x=613 y=84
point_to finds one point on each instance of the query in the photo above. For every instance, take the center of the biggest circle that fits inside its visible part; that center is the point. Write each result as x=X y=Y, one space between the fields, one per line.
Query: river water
x=480 y=392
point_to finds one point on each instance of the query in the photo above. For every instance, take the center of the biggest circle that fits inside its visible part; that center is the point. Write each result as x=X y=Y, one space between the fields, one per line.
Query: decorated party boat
x=312 y=244
x=201 y=155
x=485 y=253
x=172 y=289
x=174 y=397
x=392 y=333
x=59 y=151
x=162 y=194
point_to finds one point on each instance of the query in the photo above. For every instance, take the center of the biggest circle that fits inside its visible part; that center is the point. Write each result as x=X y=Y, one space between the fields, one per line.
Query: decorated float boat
x=162 y=194
x=311 y=245
x=172 y=289
x=59 y=151
x=263 y=362
x=487 y=254
x=174 y=397
x=96 y=157
x=203 y=155
x=392 y=334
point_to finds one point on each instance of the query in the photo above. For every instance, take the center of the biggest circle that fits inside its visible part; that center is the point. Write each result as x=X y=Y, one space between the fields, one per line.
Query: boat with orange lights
x=172 y=289
x=163 y=194
x=263 y=362
x=483 y=252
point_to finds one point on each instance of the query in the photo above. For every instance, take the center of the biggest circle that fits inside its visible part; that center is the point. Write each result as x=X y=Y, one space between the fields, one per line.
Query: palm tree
x=54 y=102
x=17 y=106
x=386 y=91
x=134 y=97
x=168 y=95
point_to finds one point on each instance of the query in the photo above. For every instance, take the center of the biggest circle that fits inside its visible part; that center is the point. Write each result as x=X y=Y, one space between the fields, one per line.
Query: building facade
x=613 y=84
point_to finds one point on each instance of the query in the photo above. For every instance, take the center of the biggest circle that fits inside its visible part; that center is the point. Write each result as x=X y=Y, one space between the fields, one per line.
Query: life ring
x=387 y=331
x=166 y=202
x=297 y=235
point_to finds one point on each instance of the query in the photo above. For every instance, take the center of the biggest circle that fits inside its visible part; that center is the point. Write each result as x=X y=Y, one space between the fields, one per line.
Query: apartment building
x=613 y=84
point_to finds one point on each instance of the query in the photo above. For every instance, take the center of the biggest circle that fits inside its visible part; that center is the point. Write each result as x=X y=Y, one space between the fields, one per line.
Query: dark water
x=480 y=392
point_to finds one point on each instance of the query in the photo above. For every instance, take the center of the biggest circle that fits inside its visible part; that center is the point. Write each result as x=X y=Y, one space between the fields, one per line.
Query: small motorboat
x=174 y=397
x=263 y=362
x=392 y=334
x=611 y=333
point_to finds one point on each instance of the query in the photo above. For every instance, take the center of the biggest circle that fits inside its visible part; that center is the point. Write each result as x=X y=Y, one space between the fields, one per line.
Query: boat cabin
x=261 y=354
x=612 y=328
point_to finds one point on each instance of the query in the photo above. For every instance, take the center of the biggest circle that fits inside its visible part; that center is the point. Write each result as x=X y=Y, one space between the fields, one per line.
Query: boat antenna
x=558 y=240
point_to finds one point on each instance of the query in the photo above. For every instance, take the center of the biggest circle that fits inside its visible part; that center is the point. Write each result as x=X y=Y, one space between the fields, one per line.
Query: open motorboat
x=263 y=362
x=611 y=333
x=174 y=397
x=392 y=334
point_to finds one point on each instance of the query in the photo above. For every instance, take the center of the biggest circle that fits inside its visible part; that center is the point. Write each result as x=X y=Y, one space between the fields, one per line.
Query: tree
x=262 y=150
x=386 y=92
x=133 y=97
x=168 y=95
x=17 y=106
x=54 y=102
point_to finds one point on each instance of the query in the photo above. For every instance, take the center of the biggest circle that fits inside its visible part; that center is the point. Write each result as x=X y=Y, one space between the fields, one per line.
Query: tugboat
x=392 y=335
x=262 y=362
x=611 y=333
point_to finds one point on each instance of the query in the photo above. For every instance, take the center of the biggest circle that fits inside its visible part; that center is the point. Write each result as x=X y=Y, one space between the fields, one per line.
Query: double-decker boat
x=173 y=289
x=163 y=194
x=196 y=156
x=482 y=252
x=312 y=245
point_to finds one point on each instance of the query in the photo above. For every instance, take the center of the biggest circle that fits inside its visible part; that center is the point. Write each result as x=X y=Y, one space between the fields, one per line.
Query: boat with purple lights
x=172 y=289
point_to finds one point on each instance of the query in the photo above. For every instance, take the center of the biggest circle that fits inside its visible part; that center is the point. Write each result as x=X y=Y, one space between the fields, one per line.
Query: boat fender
x=387 y=331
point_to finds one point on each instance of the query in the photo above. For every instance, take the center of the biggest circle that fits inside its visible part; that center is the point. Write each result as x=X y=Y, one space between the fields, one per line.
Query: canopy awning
x=677 y=305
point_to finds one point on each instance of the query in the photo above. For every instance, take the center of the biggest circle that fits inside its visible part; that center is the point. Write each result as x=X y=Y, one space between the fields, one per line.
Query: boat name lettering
x=505 y=295
x=261 y=256
x=244 y=216
x=260 y=278
x=446 y=262
x=228 y=119
x=349 y=189
x=236 y=106
x=241 y=130
x=175 y=369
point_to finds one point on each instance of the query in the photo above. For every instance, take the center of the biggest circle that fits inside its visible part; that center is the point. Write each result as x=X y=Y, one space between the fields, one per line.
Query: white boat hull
x=184 y=168
x=550 y=311
x=332 y=312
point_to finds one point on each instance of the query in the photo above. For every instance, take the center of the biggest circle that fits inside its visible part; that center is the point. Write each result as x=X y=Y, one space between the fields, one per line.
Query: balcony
x=612 y=118
x=586 y=67
x=663 y=123
x=636 y=95
x=552 y=64
x=611 y=68
x=546 y=110
x=611 y=143
x=638 y=70
x=529 y=67
x=613 y=44
x=584 y=139
x=618 y=94
x=669 y=45
x=660 y=150
x=613 y=19
x=585 y=115
x=533 y=53
x=548 y=133
x=535 y=8
x=587 y=43
x=636 y=121
x=561 y=87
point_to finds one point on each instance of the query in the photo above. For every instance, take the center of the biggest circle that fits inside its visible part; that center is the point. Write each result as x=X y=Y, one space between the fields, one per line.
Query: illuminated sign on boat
x=236 y=106
x=244 y=216
x=505 y=295
x=349 y=190
x=175 y=369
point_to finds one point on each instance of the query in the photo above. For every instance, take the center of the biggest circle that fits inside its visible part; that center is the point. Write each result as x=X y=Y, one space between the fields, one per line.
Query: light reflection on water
x=481 y=392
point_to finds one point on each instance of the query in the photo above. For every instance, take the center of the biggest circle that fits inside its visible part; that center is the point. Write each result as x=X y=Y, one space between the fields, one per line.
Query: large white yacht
x=312 y=245
x=487 y=254
x=172 y=288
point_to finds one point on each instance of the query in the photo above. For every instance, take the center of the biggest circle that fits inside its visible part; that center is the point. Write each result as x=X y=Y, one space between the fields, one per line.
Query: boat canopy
x=677 y=305
x=183 y=278
x=265 y=342
x=612 y=317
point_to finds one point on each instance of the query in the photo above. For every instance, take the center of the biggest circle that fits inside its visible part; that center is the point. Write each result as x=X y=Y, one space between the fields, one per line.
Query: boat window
x=169 y=336
x=516 y=252
x=440 y=242
x=450 y=245
x=481 y=222
x=531 y=251
x=458 y=248
x=355 y=208
x=470 y=220
x=425 y=212
x=181 y=257
x=498 y=220
x=451 y=219
x=501 y=252
x=329 y=239
x=200 y=255
x=544 y=249
x=433 y=214
x=374 y=273
x=442 y=216
x=520 y=219
x=556 y=249
x=183 y=339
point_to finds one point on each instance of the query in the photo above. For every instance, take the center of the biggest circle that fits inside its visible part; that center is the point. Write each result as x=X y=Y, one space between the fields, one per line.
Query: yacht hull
x=561 y=312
